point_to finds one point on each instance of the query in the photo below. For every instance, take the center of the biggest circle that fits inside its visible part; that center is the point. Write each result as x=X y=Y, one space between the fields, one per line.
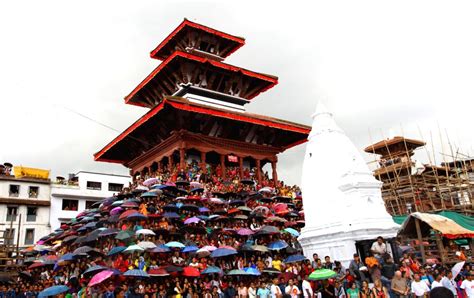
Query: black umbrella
x=109 y=232
x=247 y=182
x=190 y=207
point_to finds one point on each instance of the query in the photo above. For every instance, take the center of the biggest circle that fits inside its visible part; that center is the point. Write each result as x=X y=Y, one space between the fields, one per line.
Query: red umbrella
x=233 y=210
x=158 y=272
x=36 y=265
x=191 y=272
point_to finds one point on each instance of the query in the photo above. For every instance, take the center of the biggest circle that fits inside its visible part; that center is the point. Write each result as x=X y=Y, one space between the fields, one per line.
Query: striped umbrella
x=136 y=273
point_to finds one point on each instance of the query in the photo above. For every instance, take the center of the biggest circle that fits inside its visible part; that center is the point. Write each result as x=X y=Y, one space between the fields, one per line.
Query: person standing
x=449 y=283
x=275 y=291
x=467 y=286
x=292 y=289
x=419 y=287
x=437 y=281
x=399 y=285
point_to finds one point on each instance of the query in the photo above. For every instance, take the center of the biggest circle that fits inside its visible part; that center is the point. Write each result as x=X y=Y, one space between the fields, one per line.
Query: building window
x=31 y=213
x=115 y=187
x=70 y=205
x=29 y=236
x=9 y=236
x=89 y=204
x=14 y=190
x=33 y=192
x=94 y=185
x=11 y=213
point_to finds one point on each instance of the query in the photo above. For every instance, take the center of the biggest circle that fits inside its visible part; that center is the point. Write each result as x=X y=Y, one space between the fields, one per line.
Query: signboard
x=24 y=172
x=232 y=158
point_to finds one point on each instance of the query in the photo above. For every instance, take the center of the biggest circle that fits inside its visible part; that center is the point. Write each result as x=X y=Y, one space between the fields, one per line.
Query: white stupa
x=341 y=198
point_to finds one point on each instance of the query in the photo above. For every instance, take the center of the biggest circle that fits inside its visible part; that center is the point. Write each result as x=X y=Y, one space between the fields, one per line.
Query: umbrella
x=127 y=213
x=145 y=232
x=321 y=274
x=53 y=291
x=269 y=230
x=260 y=248
x=151 y=181
x=216 y=201
x=116 y=250
x=136 y=216
x=150 y=194
x=457 y=268
x=171 y=215
x=247 y=181
x=237 y=272
x=191 y=271
x=146 y=244
x=245 y=232
x=195 y=185
x=100 y=277
x=173 y=268
x=95 y=269
x=130 y=205
x=252 y=271
x=109 y=232
x=244 y=208
x=212 y=270
x=192 y=220
x=276 y=219
x=122 y=235
x=136 y=273
x=223 y=252
x=161 y=249
x=271 y=271
x=201 y=253
x=209 y=247
x=158 y=272
x=134 y=248
x=292 y=232
x=277 y=245
x=191 y=248
x=82 y=250
x=295 y=258
x=116 y=211
x=204 y=210
x=66 y=257
x=175 y=244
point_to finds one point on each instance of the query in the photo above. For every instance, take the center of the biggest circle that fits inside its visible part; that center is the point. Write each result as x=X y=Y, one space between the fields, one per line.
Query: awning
x=464 y=221
x=447 y=227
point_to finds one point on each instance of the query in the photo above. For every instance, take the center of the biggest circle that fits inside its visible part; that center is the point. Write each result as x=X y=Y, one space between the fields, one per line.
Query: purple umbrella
x=192 y=220
x=245 y=232
x=116 y=211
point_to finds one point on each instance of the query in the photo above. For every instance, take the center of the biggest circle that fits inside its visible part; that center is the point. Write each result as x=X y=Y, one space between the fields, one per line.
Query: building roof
x=381 y=147
x=447 y=227
x=166 y=47
x=158 y=81
x=175 y=113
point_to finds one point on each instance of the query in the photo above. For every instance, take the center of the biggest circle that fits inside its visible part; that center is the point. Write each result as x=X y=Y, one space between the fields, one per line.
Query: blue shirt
x=263 y=293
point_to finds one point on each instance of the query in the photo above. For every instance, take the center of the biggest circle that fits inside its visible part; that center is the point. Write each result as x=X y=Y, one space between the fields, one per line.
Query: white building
x=69 y=198
x=24 y=207
x=341 y=192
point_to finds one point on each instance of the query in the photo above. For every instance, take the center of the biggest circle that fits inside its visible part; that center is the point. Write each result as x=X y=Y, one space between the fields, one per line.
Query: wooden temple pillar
x=420 y=240
x=203 y=161
x=182 y=158
x=259 y=171
x=223 y=165
x=170 y=162
x=274 y=172
x=241 y=167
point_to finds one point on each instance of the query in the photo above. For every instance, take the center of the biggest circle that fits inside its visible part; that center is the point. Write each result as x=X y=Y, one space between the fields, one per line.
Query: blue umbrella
x=137 y=216
x=94 y=269
x=222 y=252
x=136 y=273
x=116 y=250
x=53 y=291
x=158 y=186
x=191 y=248
x=204 y=209
x=292 y=232
x=171 y=215
x=295 y=258
x=252 y=271
x=212 y=270
x=149 y=194
x=66 y=257
x=199 y=189
x=175 y=244
x=277 y=245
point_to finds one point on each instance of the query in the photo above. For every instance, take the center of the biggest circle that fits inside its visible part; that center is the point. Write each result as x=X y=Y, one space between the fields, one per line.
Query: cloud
x=382 y=67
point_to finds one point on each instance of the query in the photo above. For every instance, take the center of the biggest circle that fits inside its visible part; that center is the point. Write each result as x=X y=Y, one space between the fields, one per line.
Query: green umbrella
x=122 y=235
x=321 y=274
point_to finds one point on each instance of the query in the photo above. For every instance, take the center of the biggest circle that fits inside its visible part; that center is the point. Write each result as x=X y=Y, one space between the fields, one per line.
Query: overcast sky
x=383 y=68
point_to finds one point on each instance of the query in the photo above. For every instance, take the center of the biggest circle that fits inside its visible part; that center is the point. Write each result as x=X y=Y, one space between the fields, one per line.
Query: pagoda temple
x=197 y=110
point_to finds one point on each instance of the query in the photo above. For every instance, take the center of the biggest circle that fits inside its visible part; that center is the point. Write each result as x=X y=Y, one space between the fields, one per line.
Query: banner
x=24 y=172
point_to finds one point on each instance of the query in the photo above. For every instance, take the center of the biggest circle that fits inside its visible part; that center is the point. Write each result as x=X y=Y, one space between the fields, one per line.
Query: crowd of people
x=188 y=233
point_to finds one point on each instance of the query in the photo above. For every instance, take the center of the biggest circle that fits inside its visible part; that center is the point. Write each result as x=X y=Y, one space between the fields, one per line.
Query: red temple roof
x=260 y=82
x=167 y=46
x=290 y=134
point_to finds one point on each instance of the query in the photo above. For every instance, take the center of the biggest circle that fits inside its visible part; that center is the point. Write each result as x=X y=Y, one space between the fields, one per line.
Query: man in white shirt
x=436 y=282
x=275 y=291
x=449 y=283
x=307 y=290
x=419 y=287
x=468 y=286
x=379 y=248
x=292 y=290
